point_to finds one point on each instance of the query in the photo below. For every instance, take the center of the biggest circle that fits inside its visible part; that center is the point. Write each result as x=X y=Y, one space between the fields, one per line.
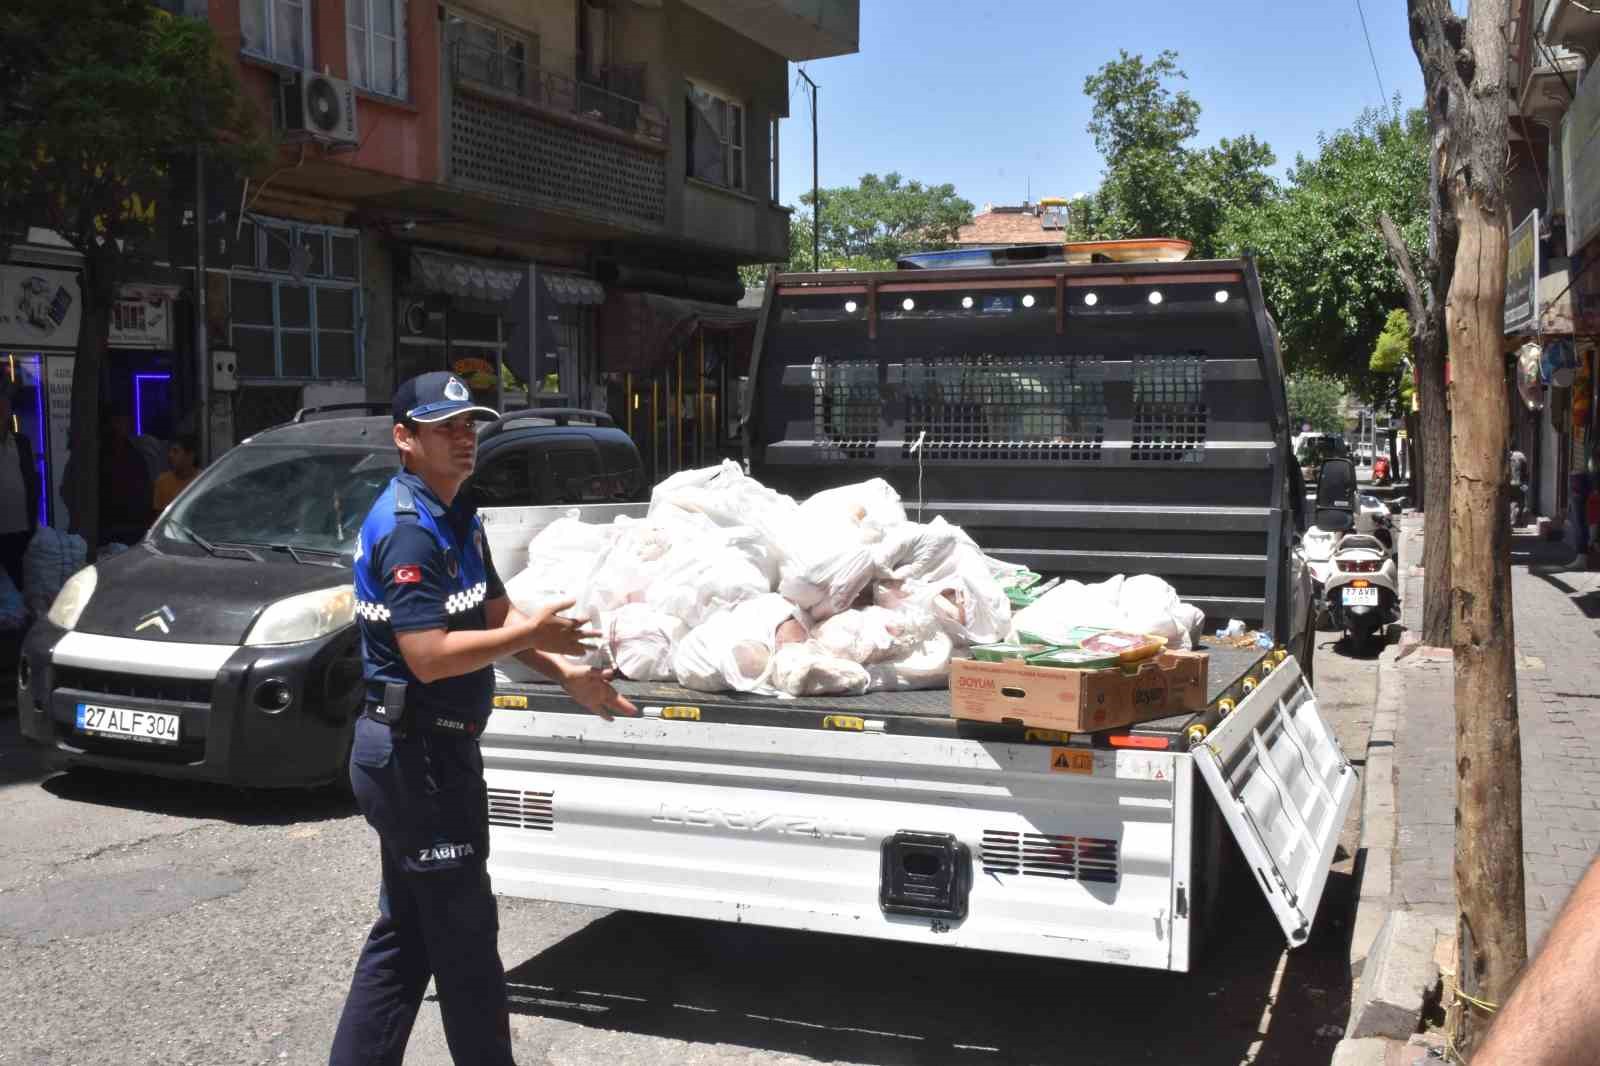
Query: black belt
x=446 y=725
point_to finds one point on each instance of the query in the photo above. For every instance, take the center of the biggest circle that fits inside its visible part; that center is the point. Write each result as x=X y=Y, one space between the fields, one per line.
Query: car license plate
x=1367 y=597
x=148 y=727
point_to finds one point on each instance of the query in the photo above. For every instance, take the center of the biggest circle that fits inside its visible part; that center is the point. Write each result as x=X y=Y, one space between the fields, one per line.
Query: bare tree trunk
x=1464 y=67
x=1488 y=868
x=1430 y=473
x=1436 y=421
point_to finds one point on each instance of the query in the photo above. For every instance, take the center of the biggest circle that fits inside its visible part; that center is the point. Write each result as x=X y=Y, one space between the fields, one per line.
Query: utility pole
x=1464 y=69
x=816 y=194
x=202 y=352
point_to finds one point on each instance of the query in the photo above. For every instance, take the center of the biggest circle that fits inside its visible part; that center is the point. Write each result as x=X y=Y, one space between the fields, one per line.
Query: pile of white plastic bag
x=727 y=585
x=1140 y=604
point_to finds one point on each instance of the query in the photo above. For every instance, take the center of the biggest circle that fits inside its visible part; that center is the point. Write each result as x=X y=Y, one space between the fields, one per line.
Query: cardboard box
x=1079 y=701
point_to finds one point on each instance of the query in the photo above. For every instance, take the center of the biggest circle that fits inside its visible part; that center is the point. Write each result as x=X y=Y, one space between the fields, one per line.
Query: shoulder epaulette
x=405 y=502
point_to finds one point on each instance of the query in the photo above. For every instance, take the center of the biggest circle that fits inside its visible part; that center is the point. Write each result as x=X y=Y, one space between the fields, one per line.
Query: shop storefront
x=458 y=313
x=39 y=314
x=144 y=369
x=674 y=373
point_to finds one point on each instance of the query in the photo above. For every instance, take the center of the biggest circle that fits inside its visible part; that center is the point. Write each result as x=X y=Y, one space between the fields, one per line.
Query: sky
x=988 y=94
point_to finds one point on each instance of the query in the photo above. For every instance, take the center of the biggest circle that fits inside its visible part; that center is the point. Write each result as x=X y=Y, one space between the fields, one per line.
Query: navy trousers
x=425 y=796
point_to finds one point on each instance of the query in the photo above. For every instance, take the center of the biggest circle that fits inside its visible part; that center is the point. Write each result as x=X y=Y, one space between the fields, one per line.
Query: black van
x=222 y=647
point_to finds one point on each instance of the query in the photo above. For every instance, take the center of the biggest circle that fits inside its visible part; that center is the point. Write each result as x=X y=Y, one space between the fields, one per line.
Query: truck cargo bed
x=924 y=712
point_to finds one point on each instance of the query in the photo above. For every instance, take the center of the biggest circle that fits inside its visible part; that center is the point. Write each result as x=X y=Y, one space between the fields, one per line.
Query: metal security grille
x=847 y=408
x=1169 y=411
x=522 y=810
x=503 y=150
x=1045 y=408
x=1069 y=858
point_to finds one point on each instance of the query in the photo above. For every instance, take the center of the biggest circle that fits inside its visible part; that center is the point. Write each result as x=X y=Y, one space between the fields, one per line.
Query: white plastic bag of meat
x=733 y=649
x=963 y=594
x=874 y=634
x=628 y=567
x=1192 y=619
x=561 y=559
x=1067 y=606
x=1150 y=605
x=910 y=551
x=830 y=580
x=726 y=496
x=640 y=641
x=925 y=665
x=809 y=669
x=870 y=507
x=756 y=550
x=702 y=575
x=1143 y=603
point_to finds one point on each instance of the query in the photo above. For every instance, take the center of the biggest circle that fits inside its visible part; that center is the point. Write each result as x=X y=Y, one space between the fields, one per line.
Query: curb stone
x=1390 y=948
x=1400 y=977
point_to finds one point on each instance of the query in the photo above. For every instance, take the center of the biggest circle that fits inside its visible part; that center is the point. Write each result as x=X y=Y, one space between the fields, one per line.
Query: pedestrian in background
x=182 y=456
x=434 y=617
x=19 y=491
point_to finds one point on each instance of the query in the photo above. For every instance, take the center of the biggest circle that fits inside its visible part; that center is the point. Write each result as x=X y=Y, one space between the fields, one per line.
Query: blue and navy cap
x=435 y=397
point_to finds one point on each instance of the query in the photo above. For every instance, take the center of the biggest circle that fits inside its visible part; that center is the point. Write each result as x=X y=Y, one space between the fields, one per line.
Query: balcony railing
x=615 y=99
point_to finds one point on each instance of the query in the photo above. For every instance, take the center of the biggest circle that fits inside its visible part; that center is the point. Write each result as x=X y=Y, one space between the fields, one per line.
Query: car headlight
x=304 y=617
x=73 y=598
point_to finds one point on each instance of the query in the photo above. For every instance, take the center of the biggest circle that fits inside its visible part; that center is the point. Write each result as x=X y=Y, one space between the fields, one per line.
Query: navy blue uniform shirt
x=421 y=565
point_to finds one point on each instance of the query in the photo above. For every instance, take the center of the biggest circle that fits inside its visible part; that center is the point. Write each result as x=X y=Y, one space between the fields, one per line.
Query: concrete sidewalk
x=1556 y=607
x=1408 y=825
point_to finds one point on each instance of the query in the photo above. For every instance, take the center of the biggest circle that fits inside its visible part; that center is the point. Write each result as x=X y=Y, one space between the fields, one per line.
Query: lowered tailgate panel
x=1284 y=786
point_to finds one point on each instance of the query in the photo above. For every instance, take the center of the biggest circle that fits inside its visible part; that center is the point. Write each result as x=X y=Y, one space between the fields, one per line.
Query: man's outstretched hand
x=590 y=687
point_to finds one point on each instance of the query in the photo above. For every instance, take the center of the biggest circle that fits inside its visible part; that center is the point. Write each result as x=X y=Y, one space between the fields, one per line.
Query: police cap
x=434 y=397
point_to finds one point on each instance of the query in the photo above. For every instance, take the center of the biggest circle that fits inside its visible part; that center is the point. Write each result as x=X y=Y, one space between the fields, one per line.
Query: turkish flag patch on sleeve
x=408 y=574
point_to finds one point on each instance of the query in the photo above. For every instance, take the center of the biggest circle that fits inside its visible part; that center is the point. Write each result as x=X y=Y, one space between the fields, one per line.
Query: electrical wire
x=1550 y=58
x=1383 y=95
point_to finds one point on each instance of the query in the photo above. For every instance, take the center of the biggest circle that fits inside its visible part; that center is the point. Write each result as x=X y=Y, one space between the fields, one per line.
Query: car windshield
x=1318 y=449
x=301 y=498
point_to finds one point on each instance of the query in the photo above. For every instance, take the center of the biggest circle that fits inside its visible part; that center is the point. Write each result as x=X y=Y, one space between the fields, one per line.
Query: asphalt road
x=143 y=922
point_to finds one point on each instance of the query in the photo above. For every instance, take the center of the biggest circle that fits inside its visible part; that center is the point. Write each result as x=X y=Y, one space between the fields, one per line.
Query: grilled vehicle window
x=310 y=498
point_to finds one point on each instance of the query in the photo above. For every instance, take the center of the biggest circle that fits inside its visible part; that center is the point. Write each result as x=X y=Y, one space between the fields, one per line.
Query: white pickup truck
x=884 y=816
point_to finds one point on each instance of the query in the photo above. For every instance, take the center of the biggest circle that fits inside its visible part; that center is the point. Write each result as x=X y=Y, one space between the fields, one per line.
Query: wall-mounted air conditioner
x=321 y=106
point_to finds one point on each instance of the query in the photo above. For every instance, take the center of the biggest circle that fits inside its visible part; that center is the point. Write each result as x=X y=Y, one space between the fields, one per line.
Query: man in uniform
x=434 y=617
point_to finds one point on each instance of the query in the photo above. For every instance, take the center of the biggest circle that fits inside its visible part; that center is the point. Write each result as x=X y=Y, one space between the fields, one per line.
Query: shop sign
x=1522 y=276
x=142 y=322
x=39 y=308
x=1580 y=163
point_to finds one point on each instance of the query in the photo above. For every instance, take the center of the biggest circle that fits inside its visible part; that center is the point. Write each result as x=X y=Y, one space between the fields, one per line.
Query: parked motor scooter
x=1361 y=593
x=1373 y=518
x=1317 y=545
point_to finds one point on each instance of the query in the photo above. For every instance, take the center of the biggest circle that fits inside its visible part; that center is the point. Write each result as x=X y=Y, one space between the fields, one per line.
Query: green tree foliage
x=1316 y=400
x=97 y=98
x=871 y=225
x=1392 y=354
x=1155 y=183
x=1328 y=279
x=1135 y=111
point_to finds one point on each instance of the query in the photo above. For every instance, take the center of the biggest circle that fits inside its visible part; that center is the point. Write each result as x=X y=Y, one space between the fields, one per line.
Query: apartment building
x=1553 y=265
x=550 y=197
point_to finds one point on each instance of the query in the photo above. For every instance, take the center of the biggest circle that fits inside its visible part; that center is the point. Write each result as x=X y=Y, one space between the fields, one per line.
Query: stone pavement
x=1556 y=607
